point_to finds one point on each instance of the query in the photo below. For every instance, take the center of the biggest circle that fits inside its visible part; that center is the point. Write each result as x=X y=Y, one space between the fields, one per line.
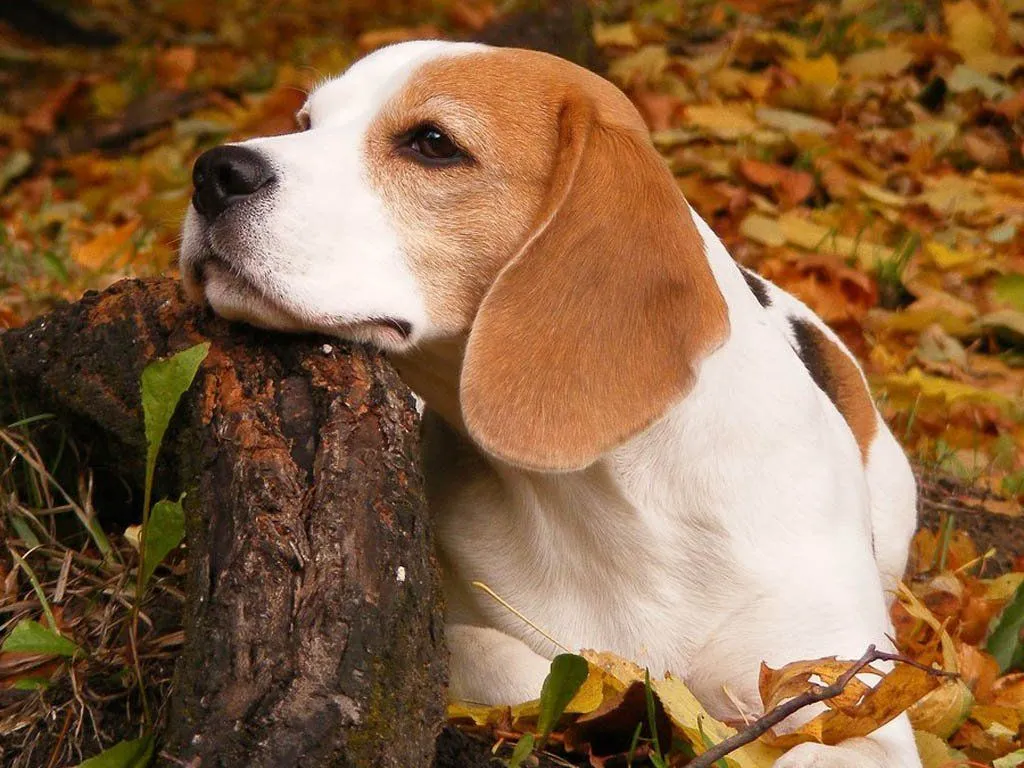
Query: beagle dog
x=638 y=444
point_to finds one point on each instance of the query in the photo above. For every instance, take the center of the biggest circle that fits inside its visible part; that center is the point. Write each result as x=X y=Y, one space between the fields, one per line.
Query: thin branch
x=815 y=694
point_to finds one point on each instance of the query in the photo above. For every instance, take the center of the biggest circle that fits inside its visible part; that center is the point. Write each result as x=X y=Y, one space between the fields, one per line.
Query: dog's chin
x=236 y=299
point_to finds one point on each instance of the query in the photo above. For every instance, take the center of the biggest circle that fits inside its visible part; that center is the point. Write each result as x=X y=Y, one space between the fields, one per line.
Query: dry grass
x=55 y=712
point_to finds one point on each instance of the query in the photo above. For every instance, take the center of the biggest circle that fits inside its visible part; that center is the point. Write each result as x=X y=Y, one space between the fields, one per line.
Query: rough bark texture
x=314 y=624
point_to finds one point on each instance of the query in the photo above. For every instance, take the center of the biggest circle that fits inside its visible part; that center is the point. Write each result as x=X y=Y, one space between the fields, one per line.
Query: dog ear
x=598 y=324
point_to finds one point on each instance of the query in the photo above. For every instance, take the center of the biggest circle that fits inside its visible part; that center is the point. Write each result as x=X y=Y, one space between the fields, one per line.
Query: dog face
x=444 y=190
x=417 y=177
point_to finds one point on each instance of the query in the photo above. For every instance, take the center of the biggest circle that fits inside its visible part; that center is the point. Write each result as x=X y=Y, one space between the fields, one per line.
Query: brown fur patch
x=564 y=248
x=460 y=225
x=839 y=378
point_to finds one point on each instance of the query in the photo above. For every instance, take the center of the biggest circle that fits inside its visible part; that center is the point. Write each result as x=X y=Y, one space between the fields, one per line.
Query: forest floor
x=865 y=155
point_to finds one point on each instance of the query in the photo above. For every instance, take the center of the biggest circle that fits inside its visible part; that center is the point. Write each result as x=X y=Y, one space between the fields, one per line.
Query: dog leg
x=797 y=625
x=490 y=667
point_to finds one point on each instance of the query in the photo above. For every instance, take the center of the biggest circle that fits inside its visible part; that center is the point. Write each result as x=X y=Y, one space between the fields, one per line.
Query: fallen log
x=313 y=624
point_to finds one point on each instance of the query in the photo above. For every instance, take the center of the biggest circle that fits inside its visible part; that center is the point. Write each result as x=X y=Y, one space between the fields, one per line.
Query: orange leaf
x=791 y=187
x=109 y=250
x=174 y=65
x=893 y=695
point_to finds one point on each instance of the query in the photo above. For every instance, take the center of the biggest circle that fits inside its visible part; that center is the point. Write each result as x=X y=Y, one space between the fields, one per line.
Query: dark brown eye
x=430 y=145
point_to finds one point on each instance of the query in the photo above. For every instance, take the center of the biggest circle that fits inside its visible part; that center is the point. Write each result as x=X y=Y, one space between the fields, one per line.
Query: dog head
x=445 y=190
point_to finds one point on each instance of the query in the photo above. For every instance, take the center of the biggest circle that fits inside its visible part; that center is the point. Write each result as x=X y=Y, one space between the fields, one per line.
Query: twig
x=816 y=694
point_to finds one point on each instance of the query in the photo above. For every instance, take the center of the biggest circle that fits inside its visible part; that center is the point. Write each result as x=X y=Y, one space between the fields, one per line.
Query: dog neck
x=432 y=370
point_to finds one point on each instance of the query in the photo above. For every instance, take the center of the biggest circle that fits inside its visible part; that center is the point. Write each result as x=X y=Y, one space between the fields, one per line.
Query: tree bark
x=313 y=623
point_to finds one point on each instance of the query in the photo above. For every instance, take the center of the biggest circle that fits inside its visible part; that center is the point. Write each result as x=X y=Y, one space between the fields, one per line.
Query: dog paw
x=864 y=754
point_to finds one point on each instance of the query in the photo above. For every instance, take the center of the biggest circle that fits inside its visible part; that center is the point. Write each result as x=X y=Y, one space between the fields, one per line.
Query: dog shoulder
x=827 y=360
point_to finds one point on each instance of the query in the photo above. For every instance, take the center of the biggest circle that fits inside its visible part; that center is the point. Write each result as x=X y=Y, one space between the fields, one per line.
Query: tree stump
x=313 y=624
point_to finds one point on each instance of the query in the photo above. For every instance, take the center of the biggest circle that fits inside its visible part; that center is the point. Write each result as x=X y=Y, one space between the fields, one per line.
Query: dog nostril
x=226 y=175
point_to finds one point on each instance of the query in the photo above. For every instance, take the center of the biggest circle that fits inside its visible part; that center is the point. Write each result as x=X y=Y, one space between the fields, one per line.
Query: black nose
x=223 y=176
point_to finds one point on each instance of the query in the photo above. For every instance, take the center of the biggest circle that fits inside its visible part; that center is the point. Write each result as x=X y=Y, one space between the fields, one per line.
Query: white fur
x=740 y=527
x=319 y=252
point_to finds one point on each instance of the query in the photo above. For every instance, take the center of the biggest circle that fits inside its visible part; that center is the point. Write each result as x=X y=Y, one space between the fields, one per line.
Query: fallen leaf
x=111 y=249
x=615 y=34
x=887 y=61
x=822 y=71
x=964 y=78
x=897 y=691
x=703 y=731
x=793 y=122
x=174 y=66
x=724 y=121
x=792 y=187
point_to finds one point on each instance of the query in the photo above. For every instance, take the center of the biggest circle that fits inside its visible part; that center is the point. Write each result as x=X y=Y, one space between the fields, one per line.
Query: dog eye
x=430 y=145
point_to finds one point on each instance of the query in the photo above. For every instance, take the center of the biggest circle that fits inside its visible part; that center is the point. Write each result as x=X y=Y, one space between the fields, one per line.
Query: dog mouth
x=212 y=280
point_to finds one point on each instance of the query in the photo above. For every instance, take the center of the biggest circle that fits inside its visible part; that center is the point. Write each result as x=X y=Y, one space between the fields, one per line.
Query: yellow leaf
x=822 y=71
x=971 y=30
x=945 y=391
x=806 y=234
x=643 y=67
x=724 y=121
x=687 y=714
x=589 y=697
x=615 y=34
x=793 y=122
x=943 y=710
x=952 y=194
x=478 y=714
x=1004 y=587
x=946 y=258
x=879 y=62
x=618 y=669
x=110 y=250
x=935 y=753
x=762 y=229
x=882 y=195
x=110 y=99
x=796 y=47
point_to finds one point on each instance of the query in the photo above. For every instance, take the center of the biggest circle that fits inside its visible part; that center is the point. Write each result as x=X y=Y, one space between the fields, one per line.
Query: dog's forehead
x=371 y=81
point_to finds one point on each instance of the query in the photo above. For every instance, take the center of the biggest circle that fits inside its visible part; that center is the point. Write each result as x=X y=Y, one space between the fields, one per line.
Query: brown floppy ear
x=597 y=326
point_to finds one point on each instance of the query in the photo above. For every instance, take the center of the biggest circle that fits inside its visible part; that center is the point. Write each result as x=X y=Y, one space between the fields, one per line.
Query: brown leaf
x=659 y=110
x=609 y=729
x=987 y=148
x=791 y=187
x=979 y=671
x=471 y=14
x=174 y=66
x=43 y=119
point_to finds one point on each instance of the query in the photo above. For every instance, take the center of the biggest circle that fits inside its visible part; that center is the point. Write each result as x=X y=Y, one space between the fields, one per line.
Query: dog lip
x=199 y=274
x=402 y=327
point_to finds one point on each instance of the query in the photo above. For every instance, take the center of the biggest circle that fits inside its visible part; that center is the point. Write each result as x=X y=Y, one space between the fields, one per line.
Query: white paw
x=856 y=753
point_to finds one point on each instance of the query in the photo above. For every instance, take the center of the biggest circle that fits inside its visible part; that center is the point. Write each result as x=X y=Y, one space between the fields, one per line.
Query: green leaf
x=568 y=673
x=163 y=384
x=31 y=684
x=137 y=753
x=164 y=531
x=1004 y=642
x=524 y=748
x=32 y=637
